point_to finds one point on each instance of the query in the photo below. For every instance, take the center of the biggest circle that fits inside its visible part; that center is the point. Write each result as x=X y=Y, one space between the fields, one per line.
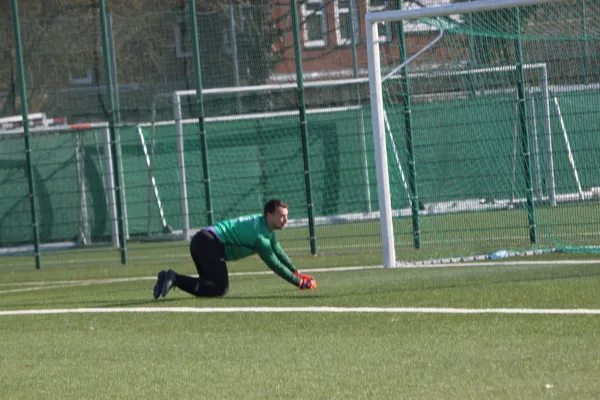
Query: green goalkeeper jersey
x=250 y=234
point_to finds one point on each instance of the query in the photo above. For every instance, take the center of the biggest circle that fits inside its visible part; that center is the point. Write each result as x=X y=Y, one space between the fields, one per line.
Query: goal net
x=73 y=181
x=255 y=152
x=483 y=125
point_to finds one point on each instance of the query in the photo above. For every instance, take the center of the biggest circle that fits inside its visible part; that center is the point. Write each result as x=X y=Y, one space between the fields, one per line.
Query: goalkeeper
x=234 y=239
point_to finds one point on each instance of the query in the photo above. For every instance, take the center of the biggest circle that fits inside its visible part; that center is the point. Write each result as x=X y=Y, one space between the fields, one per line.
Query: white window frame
x=245 y=17
x=421 y=27
x=75 y=79
x=79 y=70
x=387 y=27
x=322 y=13
x=179 y=48
x=227 y=48
x=341 y=12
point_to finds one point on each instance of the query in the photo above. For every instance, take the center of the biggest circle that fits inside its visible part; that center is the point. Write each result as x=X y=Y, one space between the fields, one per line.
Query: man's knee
x=221 y=291
x=210 y=289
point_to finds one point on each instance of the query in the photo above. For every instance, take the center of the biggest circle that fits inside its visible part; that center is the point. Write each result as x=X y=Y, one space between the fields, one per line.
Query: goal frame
x=372 y=19
x=104 y=140
x=176 y=103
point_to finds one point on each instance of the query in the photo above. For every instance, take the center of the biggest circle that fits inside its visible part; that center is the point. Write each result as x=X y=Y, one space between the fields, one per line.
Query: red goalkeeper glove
x=303 y=276
x=307 y=282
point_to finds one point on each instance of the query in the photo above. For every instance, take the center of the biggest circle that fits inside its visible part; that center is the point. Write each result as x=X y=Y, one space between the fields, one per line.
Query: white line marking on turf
x=411 y=310
x=87 y=281
x=497 y=263
x=53 y=284
x=36 y=288
x=40 y=285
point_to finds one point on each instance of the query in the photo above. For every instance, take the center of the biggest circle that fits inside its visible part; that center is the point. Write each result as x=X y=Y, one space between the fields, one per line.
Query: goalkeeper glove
x=303 y=276
x=307 y=282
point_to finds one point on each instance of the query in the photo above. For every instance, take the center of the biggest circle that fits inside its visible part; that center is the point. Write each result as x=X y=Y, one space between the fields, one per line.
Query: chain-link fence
x=120 y=148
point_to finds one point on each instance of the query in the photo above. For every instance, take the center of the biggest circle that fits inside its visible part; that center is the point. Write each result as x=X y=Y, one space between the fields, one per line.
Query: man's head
x=276 y=213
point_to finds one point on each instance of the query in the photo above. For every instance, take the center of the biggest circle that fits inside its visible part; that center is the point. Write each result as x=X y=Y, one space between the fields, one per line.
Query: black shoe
x=159 y=284
x=168 y=283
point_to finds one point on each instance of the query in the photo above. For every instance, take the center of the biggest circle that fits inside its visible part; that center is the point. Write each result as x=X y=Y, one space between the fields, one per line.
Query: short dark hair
x=272 y=205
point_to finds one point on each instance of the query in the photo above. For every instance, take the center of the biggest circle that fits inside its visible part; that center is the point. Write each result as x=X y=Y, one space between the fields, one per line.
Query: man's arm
x=266 y=253
x=280 y=254
x=285 y=260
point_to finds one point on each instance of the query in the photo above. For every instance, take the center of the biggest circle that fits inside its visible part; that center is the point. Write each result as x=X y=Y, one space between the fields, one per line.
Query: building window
x=346 y=22
x=79 y=78
x=79 y=70
x=314 y=24
x=240 y=22
x=246 y=17
x=417 y=26
x=183 y=37
x=385 y=30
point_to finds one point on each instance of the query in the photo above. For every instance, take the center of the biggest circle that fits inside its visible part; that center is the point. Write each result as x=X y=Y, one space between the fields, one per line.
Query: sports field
x=522 y=328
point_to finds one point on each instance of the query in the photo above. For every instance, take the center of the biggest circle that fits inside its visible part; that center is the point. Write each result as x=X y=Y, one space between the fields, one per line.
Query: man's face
x=278 y=219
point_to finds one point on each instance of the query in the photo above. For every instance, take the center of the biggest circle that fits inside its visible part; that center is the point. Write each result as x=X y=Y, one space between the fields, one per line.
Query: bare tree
x=63 y=50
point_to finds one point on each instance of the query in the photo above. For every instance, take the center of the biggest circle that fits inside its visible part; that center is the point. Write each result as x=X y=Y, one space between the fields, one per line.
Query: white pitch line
x=37 y=288
x=79 y=282
x=405 y=310
x=60 y=284
x=496 y=263
x=40 y=285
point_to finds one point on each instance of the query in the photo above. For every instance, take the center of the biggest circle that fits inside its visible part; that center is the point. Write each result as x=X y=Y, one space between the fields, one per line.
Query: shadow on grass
x=90 y=304
x=281 y=297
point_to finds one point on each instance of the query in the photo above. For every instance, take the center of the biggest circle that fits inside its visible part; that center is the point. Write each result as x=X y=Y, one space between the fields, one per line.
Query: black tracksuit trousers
x=209 y=256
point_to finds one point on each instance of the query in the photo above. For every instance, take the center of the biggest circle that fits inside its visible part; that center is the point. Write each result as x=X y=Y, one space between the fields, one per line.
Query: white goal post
x=372 y=19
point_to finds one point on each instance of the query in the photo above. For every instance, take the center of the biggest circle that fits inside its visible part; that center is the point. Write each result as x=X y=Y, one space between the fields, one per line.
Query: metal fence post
x=200 y=111
x=25 y=114
x=303 y=127
x=114 y=131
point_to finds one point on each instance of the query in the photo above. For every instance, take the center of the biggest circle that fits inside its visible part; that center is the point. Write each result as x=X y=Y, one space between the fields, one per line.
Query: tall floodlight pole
x=114 y=132
x=25 y=114
x=408 y=126
x=524 y=123
x=355 y=33
x=200 y=112
x=303 y=128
